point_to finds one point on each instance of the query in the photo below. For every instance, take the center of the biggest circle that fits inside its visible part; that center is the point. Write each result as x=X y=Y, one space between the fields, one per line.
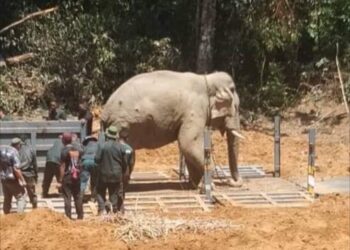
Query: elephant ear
x=221 y=103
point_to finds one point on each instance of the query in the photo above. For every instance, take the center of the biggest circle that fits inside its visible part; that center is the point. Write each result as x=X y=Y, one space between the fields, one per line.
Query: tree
x=207 y=16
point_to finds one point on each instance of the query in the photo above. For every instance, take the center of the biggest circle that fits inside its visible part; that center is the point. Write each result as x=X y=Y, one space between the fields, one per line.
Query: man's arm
x=19 y=176
x=62 y=168
x=17 y=171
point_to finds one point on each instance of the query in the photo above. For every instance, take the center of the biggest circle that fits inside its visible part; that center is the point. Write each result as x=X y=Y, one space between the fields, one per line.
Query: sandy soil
x=323 y=225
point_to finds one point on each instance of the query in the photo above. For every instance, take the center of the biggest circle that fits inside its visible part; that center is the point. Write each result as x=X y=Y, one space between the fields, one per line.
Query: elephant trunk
x=232 y=148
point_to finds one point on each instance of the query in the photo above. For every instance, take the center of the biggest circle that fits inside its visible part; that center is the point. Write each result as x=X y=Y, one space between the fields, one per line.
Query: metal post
x=277 y=154
x=311 y=163
x=207 y=172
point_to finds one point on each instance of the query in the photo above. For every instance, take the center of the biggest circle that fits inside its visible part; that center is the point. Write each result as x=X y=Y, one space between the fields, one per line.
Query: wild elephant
x=160 y=107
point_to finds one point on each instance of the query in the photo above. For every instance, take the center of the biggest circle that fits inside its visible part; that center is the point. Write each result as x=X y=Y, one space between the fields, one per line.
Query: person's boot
x=35 y=205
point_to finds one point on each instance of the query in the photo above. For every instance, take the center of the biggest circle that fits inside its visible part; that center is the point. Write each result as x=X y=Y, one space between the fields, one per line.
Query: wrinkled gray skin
x=160 y=107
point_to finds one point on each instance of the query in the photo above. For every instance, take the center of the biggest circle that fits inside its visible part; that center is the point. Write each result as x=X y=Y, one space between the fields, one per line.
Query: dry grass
x=143 y=226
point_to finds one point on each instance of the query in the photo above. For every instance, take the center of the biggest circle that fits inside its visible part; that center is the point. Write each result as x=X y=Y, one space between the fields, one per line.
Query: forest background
x=276 y=50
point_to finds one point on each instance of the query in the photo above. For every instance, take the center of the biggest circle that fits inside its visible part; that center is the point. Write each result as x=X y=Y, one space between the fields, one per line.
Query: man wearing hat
x=89 y=166
x=111 y=167
x=12 y=180
x=28 y=167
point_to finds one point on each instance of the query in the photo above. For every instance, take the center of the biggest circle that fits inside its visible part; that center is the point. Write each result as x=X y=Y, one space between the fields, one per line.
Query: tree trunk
x=206 y=35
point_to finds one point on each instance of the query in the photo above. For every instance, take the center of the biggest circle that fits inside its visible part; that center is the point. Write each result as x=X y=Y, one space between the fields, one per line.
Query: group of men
x=107 y=163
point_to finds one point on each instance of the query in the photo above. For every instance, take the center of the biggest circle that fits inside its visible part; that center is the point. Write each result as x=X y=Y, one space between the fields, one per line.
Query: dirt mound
x=323 y=225
x=45 y=229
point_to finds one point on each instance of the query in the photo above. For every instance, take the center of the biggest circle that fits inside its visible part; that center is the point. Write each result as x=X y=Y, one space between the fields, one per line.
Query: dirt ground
x=323 y=225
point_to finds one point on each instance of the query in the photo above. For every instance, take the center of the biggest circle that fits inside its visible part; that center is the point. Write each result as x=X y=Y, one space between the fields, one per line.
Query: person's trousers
x=89 y=172
x=69 y=190
x=51 y=169
x=30 y=187
x=12 y=188
x=116 y=196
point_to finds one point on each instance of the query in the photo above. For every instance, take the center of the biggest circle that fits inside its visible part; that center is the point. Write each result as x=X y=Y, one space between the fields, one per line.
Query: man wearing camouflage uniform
x=12 y=179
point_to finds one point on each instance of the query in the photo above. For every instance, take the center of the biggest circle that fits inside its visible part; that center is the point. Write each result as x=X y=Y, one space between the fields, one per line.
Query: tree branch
x=341 y=80
x=32 y=15
x=19 y=59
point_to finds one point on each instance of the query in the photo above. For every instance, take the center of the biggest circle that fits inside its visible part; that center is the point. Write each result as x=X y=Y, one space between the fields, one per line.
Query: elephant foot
x=232 y=183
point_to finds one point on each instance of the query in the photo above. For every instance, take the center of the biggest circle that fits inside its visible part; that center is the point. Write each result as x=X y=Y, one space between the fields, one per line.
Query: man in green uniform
x=129 y=157
x=28 y=167
x=52 y=167
x=111 y=167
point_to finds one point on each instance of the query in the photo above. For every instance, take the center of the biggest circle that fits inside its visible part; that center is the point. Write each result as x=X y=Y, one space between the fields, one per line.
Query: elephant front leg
x=191 y=146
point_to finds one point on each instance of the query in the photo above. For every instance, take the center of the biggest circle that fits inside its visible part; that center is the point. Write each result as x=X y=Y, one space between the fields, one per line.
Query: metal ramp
x=262 y=199
x=246 y=171
x=157 y=191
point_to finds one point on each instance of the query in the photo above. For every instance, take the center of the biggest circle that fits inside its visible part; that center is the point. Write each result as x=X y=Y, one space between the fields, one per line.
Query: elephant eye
x=232 y=89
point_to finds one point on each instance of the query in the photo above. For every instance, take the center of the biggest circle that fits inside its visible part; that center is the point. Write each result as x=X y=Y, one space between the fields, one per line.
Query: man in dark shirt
x=69 y=181
x=29 y=168
x=111 y=167
x=55 y=113
x=129 y=157
x=85 y=116
x=52 y=166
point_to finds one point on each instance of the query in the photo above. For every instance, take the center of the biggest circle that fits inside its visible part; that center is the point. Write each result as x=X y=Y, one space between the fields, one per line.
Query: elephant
x=160 y=107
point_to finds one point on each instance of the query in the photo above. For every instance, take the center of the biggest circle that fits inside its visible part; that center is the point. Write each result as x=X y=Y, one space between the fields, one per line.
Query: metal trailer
x=40 y=134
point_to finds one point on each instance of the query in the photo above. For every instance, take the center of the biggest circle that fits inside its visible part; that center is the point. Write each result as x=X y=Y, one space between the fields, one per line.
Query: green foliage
x=90 y=47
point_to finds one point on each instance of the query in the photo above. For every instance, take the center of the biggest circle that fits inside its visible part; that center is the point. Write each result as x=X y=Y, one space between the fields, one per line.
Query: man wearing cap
x=52 y=166
x=69 y=181
x=89 y=166
x=111 y=166
x=12 y=180
x=55 y=113
x=28 y=167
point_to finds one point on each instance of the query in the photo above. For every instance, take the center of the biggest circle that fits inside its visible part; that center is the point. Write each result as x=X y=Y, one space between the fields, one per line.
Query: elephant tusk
x=235 y=133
